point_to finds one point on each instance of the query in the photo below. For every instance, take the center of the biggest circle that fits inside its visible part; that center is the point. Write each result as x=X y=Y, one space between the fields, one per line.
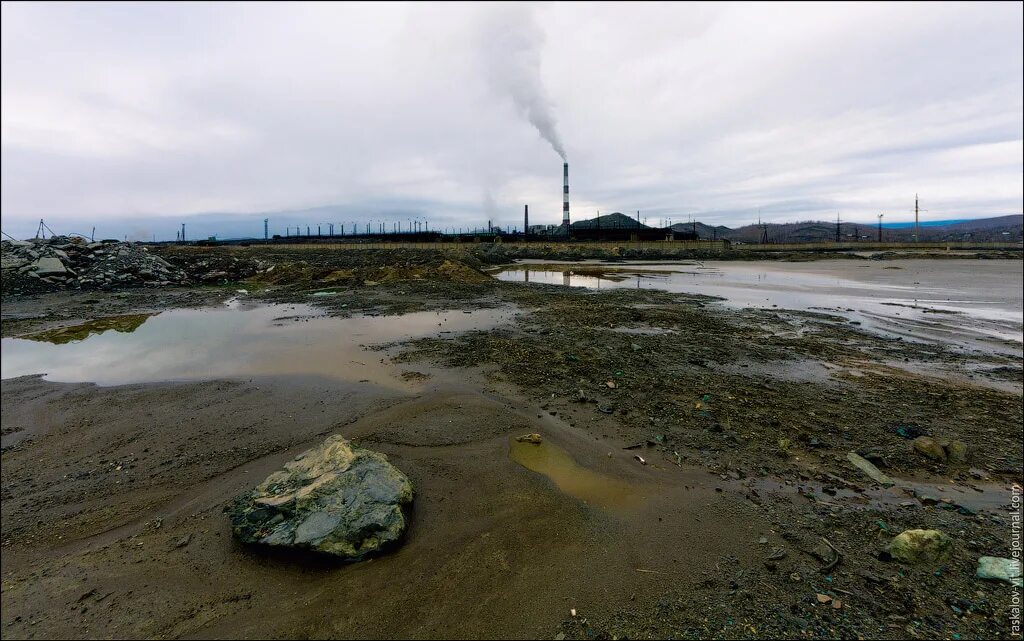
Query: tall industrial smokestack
x=565 y=196
x=526 y=220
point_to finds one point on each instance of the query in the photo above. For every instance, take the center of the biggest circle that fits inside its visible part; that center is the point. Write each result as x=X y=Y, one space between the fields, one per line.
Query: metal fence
x=663 y=245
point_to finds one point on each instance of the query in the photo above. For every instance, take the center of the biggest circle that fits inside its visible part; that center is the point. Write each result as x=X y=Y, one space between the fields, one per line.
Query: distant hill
x=609 y=221
x=1001 y=228
x=717 y=232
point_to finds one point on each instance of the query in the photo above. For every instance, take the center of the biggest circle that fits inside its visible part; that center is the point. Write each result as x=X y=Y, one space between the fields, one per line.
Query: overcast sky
x=134 y=118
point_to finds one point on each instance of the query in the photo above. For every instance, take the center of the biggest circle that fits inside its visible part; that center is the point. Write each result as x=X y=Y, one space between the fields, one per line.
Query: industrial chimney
x=526 y=221
x=565 y=196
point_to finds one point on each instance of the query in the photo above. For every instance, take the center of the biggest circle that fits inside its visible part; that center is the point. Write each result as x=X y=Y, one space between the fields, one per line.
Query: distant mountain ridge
x=1000 y=228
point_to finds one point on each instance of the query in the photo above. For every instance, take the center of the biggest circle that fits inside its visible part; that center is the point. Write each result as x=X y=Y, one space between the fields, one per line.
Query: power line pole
x=837 y=226
x=917 y=220
x=266 y=230
x=880 y=227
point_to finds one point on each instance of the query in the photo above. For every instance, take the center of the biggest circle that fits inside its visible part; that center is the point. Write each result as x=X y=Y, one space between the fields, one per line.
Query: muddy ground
x=745 y=512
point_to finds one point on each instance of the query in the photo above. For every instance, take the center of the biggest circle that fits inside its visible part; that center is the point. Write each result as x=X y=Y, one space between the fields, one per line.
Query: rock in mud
x=530 y=438
x=927 y=446
x=334 y=499
x=920 y=546
x=865 y=466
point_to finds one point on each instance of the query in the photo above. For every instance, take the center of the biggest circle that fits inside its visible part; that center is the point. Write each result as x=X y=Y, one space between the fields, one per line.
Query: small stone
x=999 y=569
x=866 y=467
x=920 y=546
x=530 y=438
x=927 y=446
x=957 y=452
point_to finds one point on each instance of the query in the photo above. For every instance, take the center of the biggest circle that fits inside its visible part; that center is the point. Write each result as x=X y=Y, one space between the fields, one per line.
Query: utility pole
x=266 y=230
x=837 y=226
x=880 y=227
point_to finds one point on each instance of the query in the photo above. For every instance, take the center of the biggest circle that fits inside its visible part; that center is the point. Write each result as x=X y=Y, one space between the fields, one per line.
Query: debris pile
x=64 y=262
x=213 y=269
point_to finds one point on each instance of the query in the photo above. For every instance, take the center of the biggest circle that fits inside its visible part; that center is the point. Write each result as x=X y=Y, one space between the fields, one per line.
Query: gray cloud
x=138 y=117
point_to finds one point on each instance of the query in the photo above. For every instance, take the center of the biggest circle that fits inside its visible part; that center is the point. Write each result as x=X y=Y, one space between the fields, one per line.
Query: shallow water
x=237 y=341
x=569 y=476
x=975 y=303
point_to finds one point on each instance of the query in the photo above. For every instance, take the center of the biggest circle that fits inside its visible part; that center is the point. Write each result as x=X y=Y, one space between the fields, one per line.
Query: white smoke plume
x=512 y=42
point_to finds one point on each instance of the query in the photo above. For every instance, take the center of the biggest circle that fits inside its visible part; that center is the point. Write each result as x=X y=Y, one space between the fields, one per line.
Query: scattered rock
x=530 y=438
x=957 y=452
x=920 y=546
x=49 y=266
x=865 y=466
x=927 y=446
x=999 y=569
x=336 y=499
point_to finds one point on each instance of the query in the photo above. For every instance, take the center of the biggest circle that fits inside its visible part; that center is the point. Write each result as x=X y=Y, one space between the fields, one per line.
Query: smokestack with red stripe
x=565 y=195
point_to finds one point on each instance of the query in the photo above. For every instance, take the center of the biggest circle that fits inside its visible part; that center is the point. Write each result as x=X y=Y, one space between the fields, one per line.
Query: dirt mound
x=314 y=267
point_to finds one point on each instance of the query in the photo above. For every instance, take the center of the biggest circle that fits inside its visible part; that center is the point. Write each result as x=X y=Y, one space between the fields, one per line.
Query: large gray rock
x=336 y=499
x=50 y=266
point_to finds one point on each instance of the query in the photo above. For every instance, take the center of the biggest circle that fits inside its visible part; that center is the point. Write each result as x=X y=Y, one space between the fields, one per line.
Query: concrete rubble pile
x=64 y=262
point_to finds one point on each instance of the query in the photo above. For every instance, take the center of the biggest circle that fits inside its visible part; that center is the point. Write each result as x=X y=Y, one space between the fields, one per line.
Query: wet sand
x=494 y=549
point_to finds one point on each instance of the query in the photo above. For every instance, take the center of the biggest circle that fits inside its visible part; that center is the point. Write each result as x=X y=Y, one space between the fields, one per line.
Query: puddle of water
x=984 y=296
x=234 y=341
x=569 y=476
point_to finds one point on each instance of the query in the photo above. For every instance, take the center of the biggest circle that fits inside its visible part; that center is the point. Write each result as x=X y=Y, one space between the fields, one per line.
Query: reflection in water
x=571 y=478
x=981 y=299
x=230 y=342
x=127 y=323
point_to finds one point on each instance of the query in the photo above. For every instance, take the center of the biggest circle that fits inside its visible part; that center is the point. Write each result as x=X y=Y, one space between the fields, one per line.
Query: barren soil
x=744 y=512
